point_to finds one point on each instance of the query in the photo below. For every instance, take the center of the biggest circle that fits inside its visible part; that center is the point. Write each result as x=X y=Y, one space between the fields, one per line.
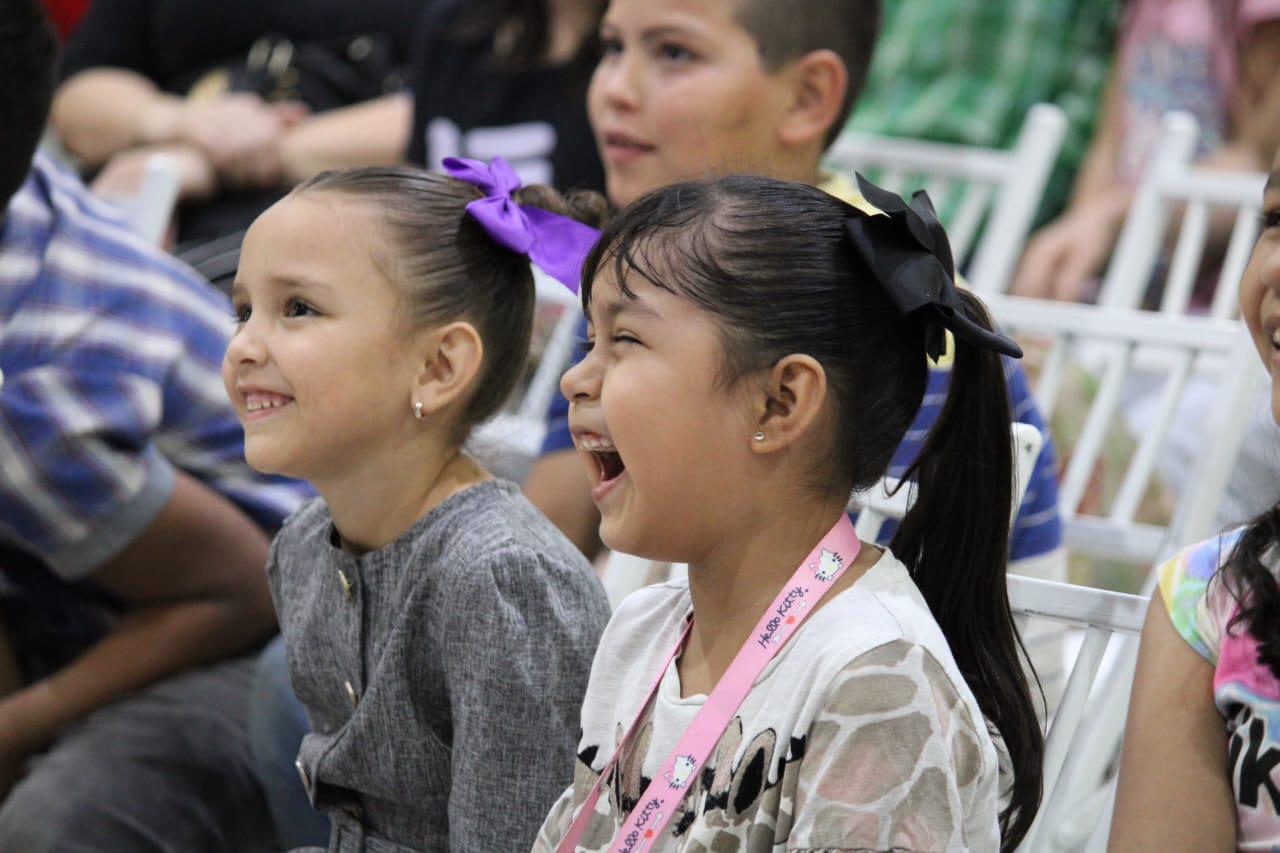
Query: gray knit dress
x=443 y=674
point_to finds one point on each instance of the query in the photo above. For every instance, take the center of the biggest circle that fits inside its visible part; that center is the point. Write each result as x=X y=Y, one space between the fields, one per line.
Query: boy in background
x=688 y=89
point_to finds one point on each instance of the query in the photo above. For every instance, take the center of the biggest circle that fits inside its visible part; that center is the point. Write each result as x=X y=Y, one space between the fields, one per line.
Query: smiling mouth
x=258 y=404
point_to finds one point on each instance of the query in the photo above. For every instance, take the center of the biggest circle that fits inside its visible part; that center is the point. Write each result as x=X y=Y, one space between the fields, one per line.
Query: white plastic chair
x=1171 y=181
x=1115 y=342
x=624 y=574
x=1122 y=340
x=1102 y=614
x=1078 y=817
x=1007 y=185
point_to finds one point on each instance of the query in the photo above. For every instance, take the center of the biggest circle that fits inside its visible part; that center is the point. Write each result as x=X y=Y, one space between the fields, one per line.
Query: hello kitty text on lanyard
x=660 y=800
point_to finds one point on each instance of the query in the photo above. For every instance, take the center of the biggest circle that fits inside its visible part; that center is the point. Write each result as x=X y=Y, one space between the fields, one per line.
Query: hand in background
x=240 y=135
x=1064 y=258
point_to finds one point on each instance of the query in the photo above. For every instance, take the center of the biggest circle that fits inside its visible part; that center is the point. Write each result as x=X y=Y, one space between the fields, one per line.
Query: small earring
x=759 y=436
x=417 y=410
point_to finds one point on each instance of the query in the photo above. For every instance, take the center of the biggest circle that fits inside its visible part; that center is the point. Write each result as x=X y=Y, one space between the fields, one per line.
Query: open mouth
x=609 y=464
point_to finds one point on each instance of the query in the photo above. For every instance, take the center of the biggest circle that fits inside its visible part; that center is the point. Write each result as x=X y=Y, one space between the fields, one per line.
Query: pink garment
x=1183 y=55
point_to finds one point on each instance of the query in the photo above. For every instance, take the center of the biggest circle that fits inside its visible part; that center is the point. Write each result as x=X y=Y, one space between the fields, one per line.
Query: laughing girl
x=758 y=349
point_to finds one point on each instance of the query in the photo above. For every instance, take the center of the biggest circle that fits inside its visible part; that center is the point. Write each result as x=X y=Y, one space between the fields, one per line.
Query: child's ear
x=450 y=358
x=819 y=83
x=795 y=392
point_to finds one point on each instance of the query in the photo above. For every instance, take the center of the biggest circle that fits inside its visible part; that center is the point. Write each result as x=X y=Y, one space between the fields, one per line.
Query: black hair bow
x=909 y=253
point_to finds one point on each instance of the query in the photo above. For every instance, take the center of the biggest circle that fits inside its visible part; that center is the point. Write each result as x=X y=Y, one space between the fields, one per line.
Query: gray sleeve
x=518 y=638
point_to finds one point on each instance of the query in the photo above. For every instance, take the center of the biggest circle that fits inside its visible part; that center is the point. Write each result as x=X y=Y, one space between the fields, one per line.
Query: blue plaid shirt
x=1037 y=528
x=112 y=354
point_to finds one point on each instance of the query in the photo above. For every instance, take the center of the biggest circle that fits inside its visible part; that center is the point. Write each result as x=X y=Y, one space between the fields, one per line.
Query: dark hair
x=28 y=67
x=448 y=268
x=520 y=31
x=788 y=29
x=771 y=263
x=1252 y=581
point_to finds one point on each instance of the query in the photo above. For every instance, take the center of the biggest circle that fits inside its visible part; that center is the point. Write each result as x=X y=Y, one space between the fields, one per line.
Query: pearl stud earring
x=417 y=410
x=759 y=436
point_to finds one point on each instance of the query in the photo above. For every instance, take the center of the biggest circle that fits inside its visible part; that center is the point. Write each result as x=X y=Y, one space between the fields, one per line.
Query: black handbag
x=321 y=74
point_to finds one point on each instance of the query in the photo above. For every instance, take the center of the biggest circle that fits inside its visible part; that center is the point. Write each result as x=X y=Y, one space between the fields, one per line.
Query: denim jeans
x=164 y=770
x=277 y=723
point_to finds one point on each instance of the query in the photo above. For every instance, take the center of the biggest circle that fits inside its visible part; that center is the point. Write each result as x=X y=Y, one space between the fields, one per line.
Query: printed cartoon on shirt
x=741 y=777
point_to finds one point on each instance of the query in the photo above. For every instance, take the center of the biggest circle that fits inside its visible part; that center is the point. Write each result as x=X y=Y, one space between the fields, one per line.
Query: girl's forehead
x=315 y=237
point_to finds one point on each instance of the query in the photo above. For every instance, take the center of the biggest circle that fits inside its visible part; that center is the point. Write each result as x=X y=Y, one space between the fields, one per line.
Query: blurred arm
x=102 y=111
x=372 y=133
x=196 y=592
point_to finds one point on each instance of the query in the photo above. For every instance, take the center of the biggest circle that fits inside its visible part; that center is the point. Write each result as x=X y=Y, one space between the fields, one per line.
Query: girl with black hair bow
x=758 y=348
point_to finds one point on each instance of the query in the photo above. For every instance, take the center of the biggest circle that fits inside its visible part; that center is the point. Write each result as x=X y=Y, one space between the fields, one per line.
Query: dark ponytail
x=1252 y=580
x=955 y=541
x=773 y=264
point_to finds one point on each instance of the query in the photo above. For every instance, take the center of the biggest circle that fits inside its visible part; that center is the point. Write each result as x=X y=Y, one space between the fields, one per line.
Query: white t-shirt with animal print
x=860 y=734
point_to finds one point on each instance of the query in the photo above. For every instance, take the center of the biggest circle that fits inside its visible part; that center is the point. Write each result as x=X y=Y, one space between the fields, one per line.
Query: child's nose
x=246 y=346
x=616 y=81
x=581 y=382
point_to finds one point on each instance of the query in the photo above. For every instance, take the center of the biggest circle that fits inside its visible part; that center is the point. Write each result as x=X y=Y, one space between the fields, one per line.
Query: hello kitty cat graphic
x=828 y=564
x=682 y=771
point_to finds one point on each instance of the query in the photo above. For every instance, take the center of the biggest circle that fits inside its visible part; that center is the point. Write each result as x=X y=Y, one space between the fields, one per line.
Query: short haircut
x=788 y=29
x=28 y=65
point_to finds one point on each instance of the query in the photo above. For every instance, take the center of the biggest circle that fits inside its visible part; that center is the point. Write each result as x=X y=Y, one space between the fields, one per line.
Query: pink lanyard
x=657 y=805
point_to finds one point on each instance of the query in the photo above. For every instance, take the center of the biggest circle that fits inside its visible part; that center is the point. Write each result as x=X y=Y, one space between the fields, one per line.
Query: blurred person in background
x=133 y=536
x=1215 y=59
x=218 y=86
x=967 y=73
x=488 y=78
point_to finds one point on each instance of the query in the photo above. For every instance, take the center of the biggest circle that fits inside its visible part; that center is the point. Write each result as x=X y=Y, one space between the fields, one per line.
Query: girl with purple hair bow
x=437 y=628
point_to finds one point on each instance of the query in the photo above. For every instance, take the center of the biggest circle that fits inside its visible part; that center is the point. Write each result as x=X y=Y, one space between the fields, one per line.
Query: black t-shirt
x=175 y=42
x=172 y=42
x=468 y=105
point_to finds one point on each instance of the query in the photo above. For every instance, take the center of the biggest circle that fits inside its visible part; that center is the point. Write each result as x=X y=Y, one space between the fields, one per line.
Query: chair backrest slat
x=1138 y=478
x=1186 y=259
x=1243 y=235
x=1089 y=446
x=963 y=227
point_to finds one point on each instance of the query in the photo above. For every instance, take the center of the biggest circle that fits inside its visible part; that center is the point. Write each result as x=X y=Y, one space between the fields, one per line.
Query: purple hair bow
x=557 y=244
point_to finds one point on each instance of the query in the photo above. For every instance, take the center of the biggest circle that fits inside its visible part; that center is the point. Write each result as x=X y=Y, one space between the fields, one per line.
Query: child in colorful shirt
x=1200 y=767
